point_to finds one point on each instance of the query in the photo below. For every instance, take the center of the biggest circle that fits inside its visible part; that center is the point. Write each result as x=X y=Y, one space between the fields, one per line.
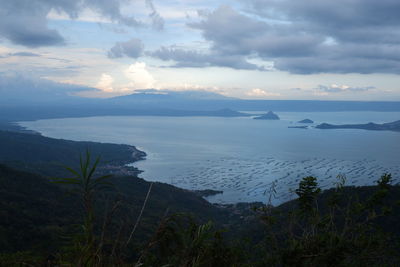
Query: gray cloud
x=195 y=59
x=24 y=54
x=132 y=48
x=157 y=20
x=352 y=20
x=235 y=37
x=341 y=65
x=20 y=54
x=303 y=37
x=363 y=36
x=233 y=33
x=24 y=22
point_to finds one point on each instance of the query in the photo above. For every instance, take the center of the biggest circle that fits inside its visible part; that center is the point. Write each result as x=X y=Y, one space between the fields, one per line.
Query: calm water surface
x=242 y=156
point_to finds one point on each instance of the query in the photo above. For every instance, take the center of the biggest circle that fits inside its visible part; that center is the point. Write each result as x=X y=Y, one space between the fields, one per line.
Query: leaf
x=72 y=171
x=93 y=169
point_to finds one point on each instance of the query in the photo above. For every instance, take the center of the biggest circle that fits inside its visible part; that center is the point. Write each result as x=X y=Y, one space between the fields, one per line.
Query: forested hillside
x=47 y=156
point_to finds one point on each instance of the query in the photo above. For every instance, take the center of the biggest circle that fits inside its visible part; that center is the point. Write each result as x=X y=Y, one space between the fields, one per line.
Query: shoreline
x=122 y=168
x=249 y=187
x=115 y=167
x=14 y=126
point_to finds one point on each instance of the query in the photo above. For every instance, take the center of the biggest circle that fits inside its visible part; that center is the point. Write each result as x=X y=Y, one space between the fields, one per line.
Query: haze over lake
x=242 y=156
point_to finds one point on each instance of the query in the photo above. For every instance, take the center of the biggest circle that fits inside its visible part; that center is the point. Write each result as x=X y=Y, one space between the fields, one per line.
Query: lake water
x=242 y=156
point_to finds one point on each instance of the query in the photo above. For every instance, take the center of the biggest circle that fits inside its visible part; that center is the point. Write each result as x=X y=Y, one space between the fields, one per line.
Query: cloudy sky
x=254 y=49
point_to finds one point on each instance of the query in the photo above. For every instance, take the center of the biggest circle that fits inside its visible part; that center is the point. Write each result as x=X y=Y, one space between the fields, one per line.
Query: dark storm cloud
x=24 y=22
x=132 y=48
x=303 y=36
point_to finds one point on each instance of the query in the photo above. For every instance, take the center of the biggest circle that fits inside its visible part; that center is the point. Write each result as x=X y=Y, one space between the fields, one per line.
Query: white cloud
x=4 y=50
x=85 y=15
x=335 y=88
x=257 y=92
x=105 y=83
x=139 y=76
x=340 y=87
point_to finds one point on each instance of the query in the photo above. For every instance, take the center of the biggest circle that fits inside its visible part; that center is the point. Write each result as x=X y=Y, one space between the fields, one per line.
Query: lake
x=242 y=156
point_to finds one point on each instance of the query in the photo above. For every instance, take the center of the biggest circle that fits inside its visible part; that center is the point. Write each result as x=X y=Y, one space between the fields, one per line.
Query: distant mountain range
x=203 y=100
x=166 y=103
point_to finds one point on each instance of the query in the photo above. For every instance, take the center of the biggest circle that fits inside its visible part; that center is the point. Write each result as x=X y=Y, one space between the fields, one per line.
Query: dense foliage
x=345 y=226
x=41 y=218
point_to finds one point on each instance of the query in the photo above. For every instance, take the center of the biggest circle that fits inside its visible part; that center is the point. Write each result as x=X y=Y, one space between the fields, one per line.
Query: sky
x=250 y=49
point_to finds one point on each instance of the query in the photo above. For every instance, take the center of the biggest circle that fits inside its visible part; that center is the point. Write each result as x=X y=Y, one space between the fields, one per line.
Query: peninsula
x=390 y=126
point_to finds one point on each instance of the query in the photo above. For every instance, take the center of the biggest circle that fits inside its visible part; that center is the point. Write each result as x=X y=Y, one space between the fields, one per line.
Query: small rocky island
x=390 y=126
x=268 y=116
x=306 y=121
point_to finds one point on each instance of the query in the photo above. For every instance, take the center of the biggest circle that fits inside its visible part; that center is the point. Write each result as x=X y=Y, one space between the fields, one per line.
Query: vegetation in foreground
x=344 y=226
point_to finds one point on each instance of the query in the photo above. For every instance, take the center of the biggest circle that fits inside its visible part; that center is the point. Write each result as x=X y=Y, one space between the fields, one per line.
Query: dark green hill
x=35 y=214
x=35 y=211
x=46 y=156
x=32 y=211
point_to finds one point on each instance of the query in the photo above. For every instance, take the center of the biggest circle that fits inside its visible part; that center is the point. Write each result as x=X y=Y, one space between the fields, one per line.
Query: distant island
x=268 y=116
x=390 y=126
x=225 y=112
x=298 y=127
x=306 y=121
